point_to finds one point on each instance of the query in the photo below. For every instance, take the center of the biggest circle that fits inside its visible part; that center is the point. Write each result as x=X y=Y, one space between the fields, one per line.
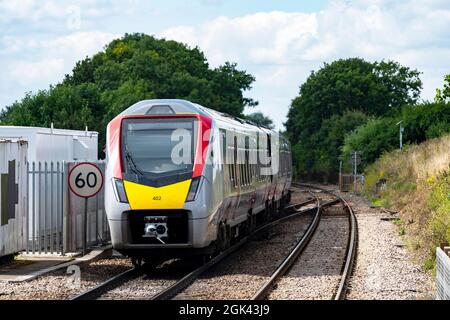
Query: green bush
x=425 y=121
x=372 y=139
x=380 y=135
x=439 y=203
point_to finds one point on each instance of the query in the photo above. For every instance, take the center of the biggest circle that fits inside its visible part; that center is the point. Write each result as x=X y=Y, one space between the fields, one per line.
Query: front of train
x=157 y=188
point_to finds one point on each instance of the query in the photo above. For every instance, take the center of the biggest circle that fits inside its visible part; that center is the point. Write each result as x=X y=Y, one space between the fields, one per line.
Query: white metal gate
x=443 y=273
x=56 y=215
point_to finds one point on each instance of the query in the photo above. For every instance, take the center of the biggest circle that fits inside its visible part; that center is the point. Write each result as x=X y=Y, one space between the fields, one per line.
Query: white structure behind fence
x=13 y=193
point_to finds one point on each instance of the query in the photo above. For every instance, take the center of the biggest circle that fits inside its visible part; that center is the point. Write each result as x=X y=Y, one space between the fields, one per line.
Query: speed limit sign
x=85 y=179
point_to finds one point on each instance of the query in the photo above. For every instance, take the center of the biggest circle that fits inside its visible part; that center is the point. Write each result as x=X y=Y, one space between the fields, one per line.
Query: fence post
x=39 y=231
x=51 y=206
x=27 y=214
x=65 y=206
x=33 y=208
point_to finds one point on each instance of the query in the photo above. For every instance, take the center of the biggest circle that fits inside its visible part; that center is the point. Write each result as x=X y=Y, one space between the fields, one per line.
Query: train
x=185 y=180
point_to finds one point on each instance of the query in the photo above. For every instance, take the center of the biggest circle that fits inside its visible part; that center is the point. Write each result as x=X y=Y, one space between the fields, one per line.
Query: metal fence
x=350 y=182
x=55 y=215
x=443 y=273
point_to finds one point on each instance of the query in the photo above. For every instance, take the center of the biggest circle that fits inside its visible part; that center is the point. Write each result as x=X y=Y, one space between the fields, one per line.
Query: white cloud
x=57 y=56
x=281 y=48
x=47 y=62
x=28 y=73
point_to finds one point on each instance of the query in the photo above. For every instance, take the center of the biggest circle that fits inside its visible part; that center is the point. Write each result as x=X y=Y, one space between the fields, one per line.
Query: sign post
x=85 y=181
x=355 y=160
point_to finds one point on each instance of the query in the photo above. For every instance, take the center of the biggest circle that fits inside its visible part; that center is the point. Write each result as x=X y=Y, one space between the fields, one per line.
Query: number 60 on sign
x=85 y=179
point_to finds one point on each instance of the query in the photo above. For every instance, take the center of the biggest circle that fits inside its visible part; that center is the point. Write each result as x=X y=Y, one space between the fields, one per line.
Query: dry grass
x=418 y=186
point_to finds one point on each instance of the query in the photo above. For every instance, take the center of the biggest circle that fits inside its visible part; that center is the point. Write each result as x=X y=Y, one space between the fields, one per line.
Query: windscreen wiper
x=133 y=166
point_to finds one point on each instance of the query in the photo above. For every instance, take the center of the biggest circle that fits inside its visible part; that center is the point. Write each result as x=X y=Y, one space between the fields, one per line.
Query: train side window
x=235 y=162
x=224 y=146
x=246 y=154
x=257 y=173
x=242 y=167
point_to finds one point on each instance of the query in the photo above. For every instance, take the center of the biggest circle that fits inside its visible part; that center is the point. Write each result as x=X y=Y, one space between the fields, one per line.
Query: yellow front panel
x=143 y=197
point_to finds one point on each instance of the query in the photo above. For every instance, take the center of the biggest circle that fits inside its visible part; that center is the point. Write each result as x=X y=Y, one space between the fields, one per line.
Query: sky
x=279 y=42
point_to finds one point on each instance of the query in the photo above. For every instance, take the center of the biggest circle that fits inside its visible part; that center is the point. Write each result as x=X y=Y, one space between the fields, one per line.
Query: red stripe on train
x=113 y=138
x=114 y=141
x=202 y=144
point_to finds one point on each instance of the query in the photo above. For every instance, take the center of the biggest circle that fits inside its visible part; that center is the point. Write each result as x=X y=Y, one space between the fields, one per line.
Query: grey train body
x=212 y=203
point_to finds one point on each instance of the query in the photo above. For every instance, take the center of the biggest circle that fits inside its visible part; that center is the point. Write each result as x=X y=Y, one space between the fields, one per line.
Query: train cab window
x=148 y=144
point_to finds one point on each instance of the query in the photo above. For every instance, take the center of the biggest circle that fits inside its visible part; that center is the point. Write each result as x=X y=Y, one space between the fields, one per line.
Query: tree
x=374 y=89
x=130 y=69
x=260 y=119
x=421 y=122
x=330 y=138
x=444 y=94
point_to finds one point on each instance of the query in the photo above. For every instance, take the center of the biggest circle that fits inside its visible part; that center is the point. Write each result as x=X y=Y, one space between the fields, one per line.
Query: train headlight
x=121 y=191
x=193 y=189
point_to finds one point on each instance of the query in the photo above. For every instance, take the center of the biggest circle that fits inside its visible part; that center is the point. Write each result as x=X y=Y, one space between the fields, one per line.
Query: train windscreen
x=158 y=146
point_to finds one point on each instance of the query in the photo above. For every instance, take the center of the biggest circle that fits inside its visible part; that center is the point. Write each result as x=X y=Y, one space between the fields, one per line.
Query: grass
x=418 y=186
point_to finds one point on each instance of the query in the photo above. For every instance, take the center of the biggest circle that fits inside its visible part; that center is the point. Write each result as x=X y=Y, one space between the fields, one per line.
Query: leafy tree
x=260 y=119
x=330 y=138
x=372 y=139
x=444 y=94
x=374 y=89
x=130 y=69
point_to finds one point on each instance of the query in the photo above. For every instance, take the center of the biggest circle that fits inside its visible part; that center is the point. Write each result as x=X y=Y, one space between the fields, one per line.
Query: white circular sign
x=85 y=179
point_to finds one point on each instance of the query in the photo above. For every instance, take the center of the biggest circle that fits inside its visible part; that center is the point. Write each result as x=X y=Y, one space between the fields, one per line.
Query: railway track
x=293 y=211
x=351 y=245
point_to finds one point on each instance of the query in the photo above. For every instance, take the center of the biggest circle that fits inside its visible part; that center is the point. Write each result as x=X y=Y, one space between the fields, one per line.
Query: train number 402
x=157 y=198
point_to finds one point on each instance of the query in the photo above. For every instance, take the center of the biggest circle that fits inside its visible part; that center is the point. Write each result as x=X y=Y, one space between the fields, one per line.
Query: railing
x=350 y=182
x=55 y=215
x=443 y=273
x=46 y=207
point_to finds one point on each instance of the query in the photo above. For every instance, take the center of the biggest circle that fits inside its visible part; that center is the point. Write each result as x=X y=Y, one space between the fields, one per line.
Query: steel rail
x=352 y=243
x=113 y=282
x=180 y=285
x=287 y=263
x=167 y=293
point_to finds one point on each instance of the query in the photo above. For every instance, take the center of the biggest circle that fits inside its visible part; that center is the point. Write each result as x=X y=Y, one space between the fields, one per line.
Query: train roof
x=179 y=106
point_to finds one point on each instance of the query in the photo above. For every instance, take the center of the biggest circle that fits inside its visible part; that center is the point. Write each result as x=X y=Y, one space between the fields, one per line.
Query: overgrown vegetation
x=418 y=186
x=421 y=122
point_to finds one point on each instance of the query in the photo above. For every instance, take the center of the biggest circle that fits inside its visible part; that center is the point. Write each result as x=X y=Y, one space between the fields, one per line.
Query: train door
x=236 y=167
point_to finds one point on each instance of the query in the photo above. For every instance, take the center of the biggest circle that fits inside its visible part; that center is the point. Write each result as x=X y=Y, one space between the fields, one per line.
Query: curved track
x=350 y=255
x=291 y=211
